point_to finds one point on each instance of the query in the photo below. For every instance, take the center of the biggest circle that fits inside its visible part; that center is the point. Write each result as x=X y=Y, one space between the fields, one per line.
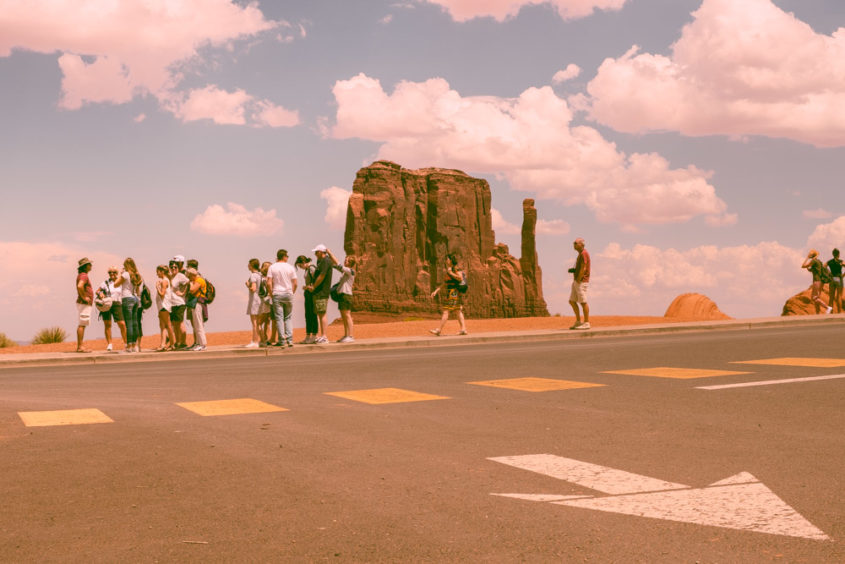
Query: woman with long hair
x=452 y=301
x=253 y=304
x=130 y=283
x=815 y=266
x=163 y=307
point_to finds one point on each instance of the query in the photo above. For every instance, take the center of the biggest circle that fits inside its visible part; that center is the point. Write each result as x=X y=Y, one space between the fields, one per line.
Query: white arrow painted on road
x=739 y=502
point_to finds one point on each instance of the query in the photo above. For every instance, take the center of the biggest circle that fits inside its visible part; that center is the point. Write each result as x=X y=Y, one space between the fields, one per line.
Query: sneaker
x=198 y=348
x=278 y=344
x=462 y=333
x=321 y=341
x=829 y=309
x=347 y=339
x=252 y=345
x=108 y=348
x=585 y=325
x=290 y=343
x=434 y=332
x=576 y=326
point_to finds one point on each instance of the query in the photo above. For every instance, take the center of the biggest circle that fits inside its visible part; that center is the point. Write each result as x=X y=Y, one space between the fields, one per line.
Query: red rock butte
x=401 y=223
x=694 y=306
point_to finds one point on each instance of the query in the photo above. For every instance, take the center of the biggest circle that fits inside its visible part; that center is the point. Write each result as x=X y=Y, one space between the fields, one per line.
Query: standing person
x=164 y=307
x=108 y=290
x=815 y=266
x=344 y=290
x=580 y=284
x=129 y=283
x=321 y=287
x=281 y=283
x=311 y=323
x=835 y=267
x=253 y=304
x=196 y=290
x=267 y=323
x=452 y=302
x=84 y=301
x=179 y=289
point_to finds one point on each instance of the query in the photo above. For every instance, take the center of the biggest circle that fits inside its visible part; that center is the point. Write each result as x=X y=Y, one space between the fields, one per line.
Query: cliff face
x=400 y=225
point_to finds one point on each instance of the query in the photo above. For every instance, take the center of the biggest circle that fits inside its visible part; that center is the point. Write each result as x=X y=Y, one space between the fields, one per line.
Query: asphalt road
x=334 y=478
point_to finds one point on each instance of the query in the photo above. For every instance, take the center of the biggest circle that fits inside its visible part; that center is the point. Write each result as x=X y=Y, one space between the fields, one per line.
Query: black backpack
x=462 y=285
x=146 y=298
x=210 y=292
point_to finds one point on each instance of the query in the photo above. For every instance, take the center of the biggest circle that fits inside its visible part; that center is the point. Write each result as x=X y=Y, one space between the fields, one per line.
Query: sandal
x=434 y=332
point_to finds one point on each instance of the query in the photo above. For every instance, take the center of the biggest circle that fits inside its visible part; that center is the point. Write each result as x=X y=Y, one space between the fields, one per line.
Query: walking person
x=129 y=281
x=253 y=304
x=164 y=306
x=108 y=291
x=321 y=288
x=84 y=301
x=817 y=268
x=179 y=289
x=196 y=290
x=281 y=281
x=311 y=323
x=344 y=291
x=452 y=302
x=835 y=267
x=580 y=284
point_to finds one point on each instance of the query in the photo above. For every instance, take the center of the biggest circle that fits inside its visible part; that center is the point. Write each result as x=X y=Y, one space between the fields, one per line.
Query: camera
x=571 y=271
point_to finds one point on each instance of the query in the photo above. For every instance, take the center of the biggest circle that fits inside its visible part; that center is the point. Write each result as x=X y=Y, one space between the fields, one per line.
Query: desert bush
x=6 y=341
x=49 y=335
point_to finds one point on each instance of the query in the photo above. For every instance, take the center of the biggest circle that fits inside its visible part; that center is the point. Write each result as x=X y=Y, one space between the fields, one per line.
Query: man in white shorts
x=580 y=284
x=84 y=301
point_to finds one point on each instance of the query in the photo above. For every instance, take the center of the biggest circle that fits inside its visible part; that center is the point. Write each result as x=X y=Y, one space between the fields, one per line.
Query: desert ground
x=367 y=326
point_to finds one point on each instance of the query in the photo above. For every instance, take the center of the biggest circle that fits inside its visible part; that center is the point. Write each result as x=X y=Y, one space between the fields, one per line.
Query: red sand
x=363 y=330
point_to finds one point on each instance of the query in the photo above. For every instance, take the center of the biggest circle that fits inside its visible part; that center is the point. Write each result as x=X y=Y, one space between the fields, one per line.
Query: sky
x=696 y=145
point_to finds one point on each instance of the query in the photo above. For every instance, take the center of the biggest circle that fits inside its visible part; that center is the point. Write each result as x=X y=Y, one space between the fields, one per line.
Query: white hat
x=178 y=258
x=321 y=248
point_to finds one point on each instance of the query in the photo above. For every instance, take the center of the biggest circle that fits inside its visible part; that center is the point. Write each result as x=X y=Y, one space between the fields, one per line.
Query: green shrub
x=6 y=341
x=50 y=335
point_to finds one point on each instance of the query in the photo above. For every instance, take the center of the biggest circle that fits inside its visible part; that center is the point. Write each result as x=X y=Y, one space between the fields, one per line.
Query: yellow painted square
x=797 y=361
x=536 y=384
x=230 y=407
x=679 y=373
x=385 y=395
x=63 y=417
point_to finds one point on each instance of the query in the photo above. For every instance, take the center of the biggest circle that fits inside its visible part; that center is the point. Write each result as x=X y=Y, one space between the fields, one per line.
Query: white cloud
x=828 y=235
x=275 y=116
x=818 y=213
x=238 y=221
x=386 y=19
x=530 y=140
x=739 y=279
x=739 y=69
x=503 y=226
x=552 y=227
x=463 y=10
x=337 y=202
x=230 y=108
x=571 y=71
x=110 y=52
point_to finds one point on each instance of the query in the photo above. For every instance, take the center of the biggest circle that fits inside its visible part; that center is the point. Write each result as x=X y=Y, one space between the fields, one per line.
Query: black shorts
x=177 y=313
x=116 y=313
x=345 y=302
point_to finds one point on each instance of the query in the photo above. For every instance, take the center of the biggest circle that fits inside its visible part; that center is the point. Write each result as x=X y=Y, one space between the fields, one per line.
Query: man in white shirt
x=281 y=284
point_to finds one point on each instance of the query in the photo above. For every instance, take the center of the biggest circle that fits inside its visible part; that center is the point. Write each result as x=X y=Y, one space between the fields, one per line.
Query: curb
x=102 y=358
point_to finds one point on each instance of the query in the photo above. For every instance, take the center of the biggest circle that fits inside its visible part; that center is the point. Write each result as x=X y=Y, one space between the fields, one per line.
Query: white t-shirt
x=178 y=283
x=282 y=274
x=127 y=289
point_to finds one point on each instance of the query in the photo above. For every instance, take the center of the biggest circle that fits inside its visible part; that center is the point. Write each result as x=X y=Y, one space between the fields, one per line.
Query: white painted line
x=593 y=476
x=771 y=382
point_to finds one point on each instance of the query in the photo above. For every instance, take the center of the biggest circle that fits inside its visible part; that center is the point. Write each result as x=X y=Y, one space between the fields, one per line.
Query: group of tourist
x=180 y=292
x=272 y=287
x=830 y=273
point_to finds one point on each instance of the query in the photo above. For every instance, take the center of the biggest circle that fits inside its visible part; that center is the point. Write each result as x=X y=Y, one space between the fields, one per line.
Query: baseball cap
x=178 y=258
x=321 y=248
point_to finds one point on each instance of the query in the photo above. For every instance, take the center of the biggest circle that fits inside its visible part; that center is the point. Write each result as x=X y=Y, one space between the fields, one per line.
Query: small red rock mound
x=802 y=304
x=694 y=307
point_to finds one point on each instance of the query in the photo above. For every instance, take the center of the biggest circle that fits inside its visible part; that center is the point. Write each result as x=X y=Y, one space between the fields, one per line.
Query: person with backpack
x=341 y=292
x=456 y=285
x=196 y=290
x=835 y=267
x=179 y=289
x=253 y=304
x=130 y=283
x=311 y=323
x=821 y=276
